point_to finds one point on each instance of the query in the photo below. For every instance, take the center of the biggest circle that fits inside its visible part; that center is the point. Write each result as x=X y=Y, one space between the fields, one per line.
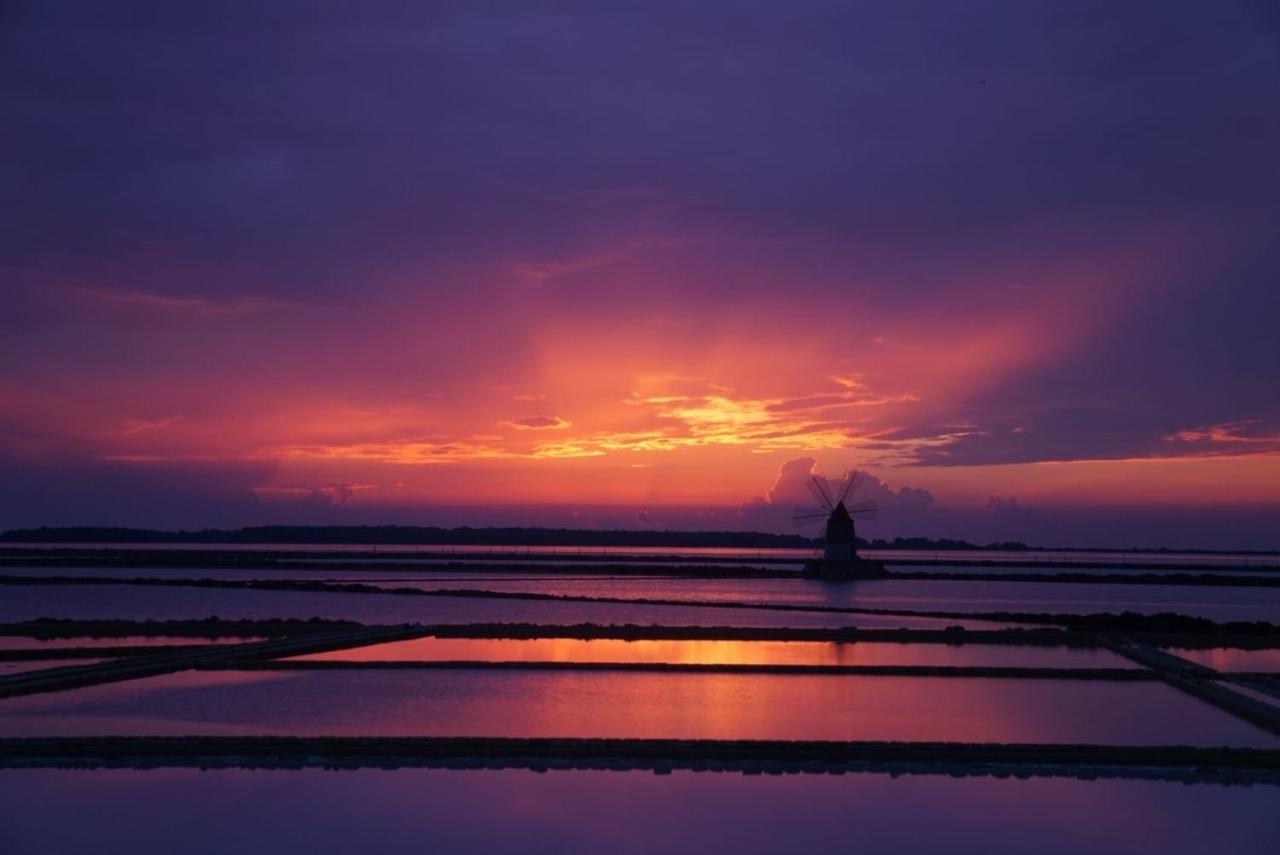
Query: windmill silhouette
x=840 y=557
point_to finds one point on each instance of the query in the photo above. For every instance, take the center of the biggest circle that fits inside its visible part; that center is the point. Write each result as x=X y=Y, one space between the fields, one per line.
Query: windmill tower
x=840 y=558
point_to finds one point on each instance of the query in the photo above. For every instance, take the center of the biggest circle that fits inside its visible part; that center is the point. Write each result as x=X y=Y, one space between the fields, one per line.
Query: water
x=184 y=810
x=1231 y=658
x=85 y=602
x=345 y=569
x=1221 y=604
x=18 y=642
x=1166 y=568
x=639 y=705
x=336 y=573
x=8 y=669
x=122 y=812
x=1257 y=694
x=722 y=652
x=23 y=602
x=1217 y=603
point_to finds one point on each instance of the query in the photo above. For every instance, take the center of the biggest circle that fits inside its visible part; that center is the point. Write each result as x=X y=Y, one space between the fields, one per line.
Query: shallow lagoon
x=27 y=666
x=425 y=569
x=642 y=705
x=1217 y=603
x=374 y=811
x=1231 y=658
x=21 y=642
x=26 y=602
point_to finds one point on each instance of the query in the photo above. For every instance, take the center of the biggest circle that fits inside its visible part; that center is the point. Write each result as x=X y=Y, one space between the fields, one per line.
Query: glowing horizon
x=482 y=305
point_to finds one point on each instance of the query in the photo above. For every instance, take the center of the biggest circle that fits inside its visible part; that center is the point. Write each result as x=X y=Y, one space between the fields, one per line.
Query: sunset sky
x=543 y=263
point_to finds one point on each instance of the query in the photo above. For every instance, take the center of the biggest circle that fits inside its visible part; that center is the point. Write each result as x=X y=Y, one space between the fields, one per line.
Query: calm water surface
x=723 y=652
x=1231 y=658
x=341 y=569
x=61 y=812
x=1014 y=557
x=694 y=706
x=1218 y=603
x=8 y=669
x=18 y=642
x=26 y=602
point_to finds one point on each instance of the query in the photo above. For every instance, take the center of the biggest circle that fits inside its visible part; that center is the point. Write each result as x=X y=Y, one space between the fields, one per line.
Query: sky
x=644 y=265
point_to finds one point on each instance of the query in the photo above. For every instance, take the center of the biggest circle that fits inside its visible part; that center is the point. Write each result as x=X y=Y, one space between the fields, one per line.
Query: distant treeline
x=401 y=535
x=398 y=535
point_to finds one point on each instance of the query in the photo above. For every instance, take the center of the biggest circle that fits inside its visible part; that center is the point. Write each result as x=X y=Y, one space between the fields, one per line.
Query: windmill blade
x=801 y=519
x=853 y=480
x=820 y=493
x=845 y=490
x=864 y=510
x=809 y=512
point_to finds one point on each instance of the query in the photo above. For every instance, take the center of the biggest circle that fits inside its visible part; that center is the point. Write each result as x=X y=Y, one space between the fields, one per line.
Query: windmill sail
x=838 y=510
x=820 y=493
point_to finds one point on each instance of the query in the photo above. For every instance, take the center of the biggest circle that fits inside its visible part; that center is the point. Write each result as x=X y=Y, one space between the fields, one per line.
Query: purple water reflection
x=614 y=704
x=105 y=812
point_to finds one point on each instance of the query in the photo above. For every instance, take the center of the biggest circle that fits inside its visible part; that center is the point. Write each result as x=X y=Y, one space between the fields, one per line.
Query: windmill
x=838 y=508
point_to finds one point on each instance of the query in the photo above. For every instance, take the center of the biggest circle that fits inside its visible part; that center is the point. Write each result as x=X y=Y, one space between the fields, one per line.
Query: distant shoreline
x=394 y=535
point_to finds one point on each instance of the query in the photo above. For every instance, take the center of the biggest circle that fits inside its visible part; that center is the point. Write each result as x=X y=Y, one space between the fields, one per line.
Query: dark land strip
x=35 y=654
x=1264 y=682
x=154 y=664
x=618 y=561
x=1178 y=763
x=51 y=628
x=210 y=627
x=1202 y=682
x=1151 y=632
x=1163 y=630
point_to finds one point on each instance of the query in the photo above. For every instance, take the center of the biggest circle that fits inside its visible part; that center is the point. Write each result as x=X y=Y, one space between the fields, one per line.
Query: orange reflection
x=717 y=652
x=629 y=705
x=1232 y=658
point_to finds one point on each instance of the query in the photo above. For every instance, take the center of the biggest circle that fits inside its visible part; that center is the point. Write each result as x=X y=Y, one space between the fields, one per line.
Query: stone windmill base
x=844 y=566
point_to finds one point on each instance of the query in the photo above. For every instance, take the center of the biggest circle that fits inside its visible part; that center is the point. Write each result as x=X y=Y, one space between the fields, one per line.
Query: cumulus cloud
x=331 y=494
x=901 y=509
x=791 y=483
